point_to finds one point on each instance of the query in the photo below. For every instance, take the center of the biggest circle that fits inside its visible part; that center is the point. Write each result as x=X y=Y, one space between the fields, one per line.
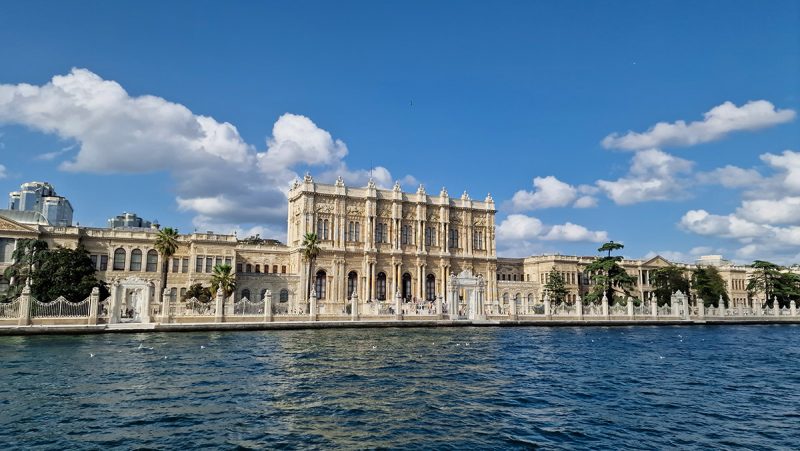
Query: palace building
x=375 y=244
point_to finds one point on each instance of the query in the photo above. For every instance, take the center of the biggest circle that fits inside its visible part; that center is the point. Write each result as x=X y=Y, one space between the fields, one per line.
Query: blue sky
x=468 y=95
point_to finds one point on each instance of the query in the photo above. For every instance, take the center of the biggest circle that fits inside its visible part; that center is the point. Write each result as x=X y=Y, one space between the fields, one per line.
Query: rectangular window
x=176 y=264
x=228 y=261
x=103 y=262
x=94 y=260
x=238 y=267
x=185 y=265
x=283 y=269
x=198 y=266
x=453 y=239
x=275 y=268
x=430 y=236
x=209 y=264
x=218 y=261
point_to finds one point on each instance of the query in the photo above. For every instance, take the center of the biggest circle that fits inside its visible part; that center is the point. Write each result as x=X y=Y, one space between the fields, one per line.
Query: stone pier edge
x=305 y=325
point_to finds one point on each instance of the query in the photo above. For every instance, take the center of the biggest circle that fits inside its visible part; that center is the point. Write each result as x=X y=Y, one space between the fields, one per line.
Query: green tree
x=310 y=250
x=555 y=286
x=66 y=272
x=608 y=276
x=668 y=280
x=28 y=255
x=787 y=288
x=166 y=245
x=223 y=278
x=709 y=285
x=53 y=272
x=763 y=279
x=198 y=291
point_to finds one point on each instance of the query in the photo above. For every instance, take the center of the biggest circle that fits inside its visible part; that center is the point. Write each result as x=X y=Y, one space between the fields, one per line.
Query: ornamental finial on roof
x=339 y=181
x=443 y=192
x=396 y=188
x=421 y=189
x=307 y=178
x=465 y=196
x=489 y=198
x=371 y=183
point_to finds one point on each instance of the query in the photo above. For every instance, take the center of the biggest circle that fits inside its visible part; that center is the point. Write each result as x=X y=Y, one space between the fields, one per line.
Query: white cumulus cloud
x=218 y=176
x=717 y=122
x=520 y=234
x=653 y=175
x=549 y=192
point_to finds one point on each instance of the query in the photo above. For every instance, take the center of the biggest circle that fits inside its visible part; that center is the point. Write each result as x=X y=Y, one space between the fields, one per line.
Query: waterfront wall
x=27 y=311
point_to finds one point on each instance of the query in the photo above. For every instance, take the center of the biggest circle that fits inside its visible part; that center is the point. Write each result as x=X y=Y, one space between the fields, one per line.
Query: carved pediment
x=13 y=226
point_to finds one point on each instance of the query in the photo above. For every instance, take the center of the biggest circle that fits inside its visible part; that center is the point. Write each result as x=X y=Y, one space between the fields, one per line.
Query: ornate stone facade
x=375 y=243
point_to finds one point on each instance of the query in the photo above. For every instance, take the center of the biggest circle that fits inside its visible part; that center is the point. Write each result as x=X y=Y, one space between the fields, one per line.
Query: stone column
x=605 y=305
x=760 y=309
x=268 y=306
x=629 y=301
x=513 y=310
x=701 y=308
x=312 y=305
x=653 y=306
x=439 y=306
x=354 y=307
x=148 y=293
x=579 y=307
x=398 y=305
x=793 y=308
x=166 y=300
x=776 y=309
x=547 y=311
x=115 y=301
x=219 y=306
x=94 y=300
x=25 y=305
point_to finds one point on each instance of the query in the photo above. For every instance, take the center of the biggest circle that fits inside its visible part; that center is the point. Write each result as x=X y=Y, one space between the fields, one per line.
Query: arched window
x=284 y=295
x=266 y=269
x=152 y=261
x=275 y=269
x=381 y=286
x=258 y=268
x=183 y=293
x=517 y=298
x=119 y=259
x=505 y=298
x=406 y=293
x=263 y=293
x=319 y=284
x=352 y=284
x=283 y=269
x=246 y=294
x=173 y=294
x=430 y=287
x=358 y=231
x=136 y=260
x=248 y=268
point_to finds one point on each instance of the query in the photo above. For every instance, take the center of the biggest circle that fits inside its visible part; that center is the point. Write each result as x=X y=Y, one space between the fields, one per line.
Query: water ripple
x=505 y=388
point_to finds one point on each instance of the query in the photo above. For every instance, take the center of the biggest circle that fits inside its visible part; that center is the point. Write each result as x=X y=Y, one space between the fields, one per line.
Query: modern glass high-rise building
x=41 y=197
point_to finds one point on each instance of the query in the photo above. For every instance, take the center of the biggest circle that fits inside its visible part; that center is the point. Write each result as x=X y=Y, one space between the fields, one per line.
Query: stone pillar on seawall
x=219 y=306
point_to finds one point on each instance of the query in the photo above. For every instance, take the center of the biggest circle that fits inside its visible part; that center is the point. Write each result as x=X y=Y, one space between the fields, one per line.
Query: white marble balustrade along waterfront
x=26 y=310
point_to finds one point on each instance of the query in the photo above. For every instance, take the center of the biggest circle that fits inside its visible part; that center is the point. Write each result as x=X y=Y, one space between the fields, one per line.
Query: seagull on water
x=202 y=347
x=91 y=354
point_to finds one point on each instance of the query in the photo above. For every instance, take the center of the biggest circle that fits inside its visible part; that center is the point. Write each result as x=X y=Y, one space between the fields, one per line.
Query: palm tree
x=310 y=250
x=223 y=278
x=166 y=245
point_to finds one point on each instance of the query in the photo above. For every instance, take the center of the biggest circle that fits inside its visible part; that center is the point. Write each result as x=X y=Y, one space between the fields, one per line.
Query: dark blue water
x=463 y=388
